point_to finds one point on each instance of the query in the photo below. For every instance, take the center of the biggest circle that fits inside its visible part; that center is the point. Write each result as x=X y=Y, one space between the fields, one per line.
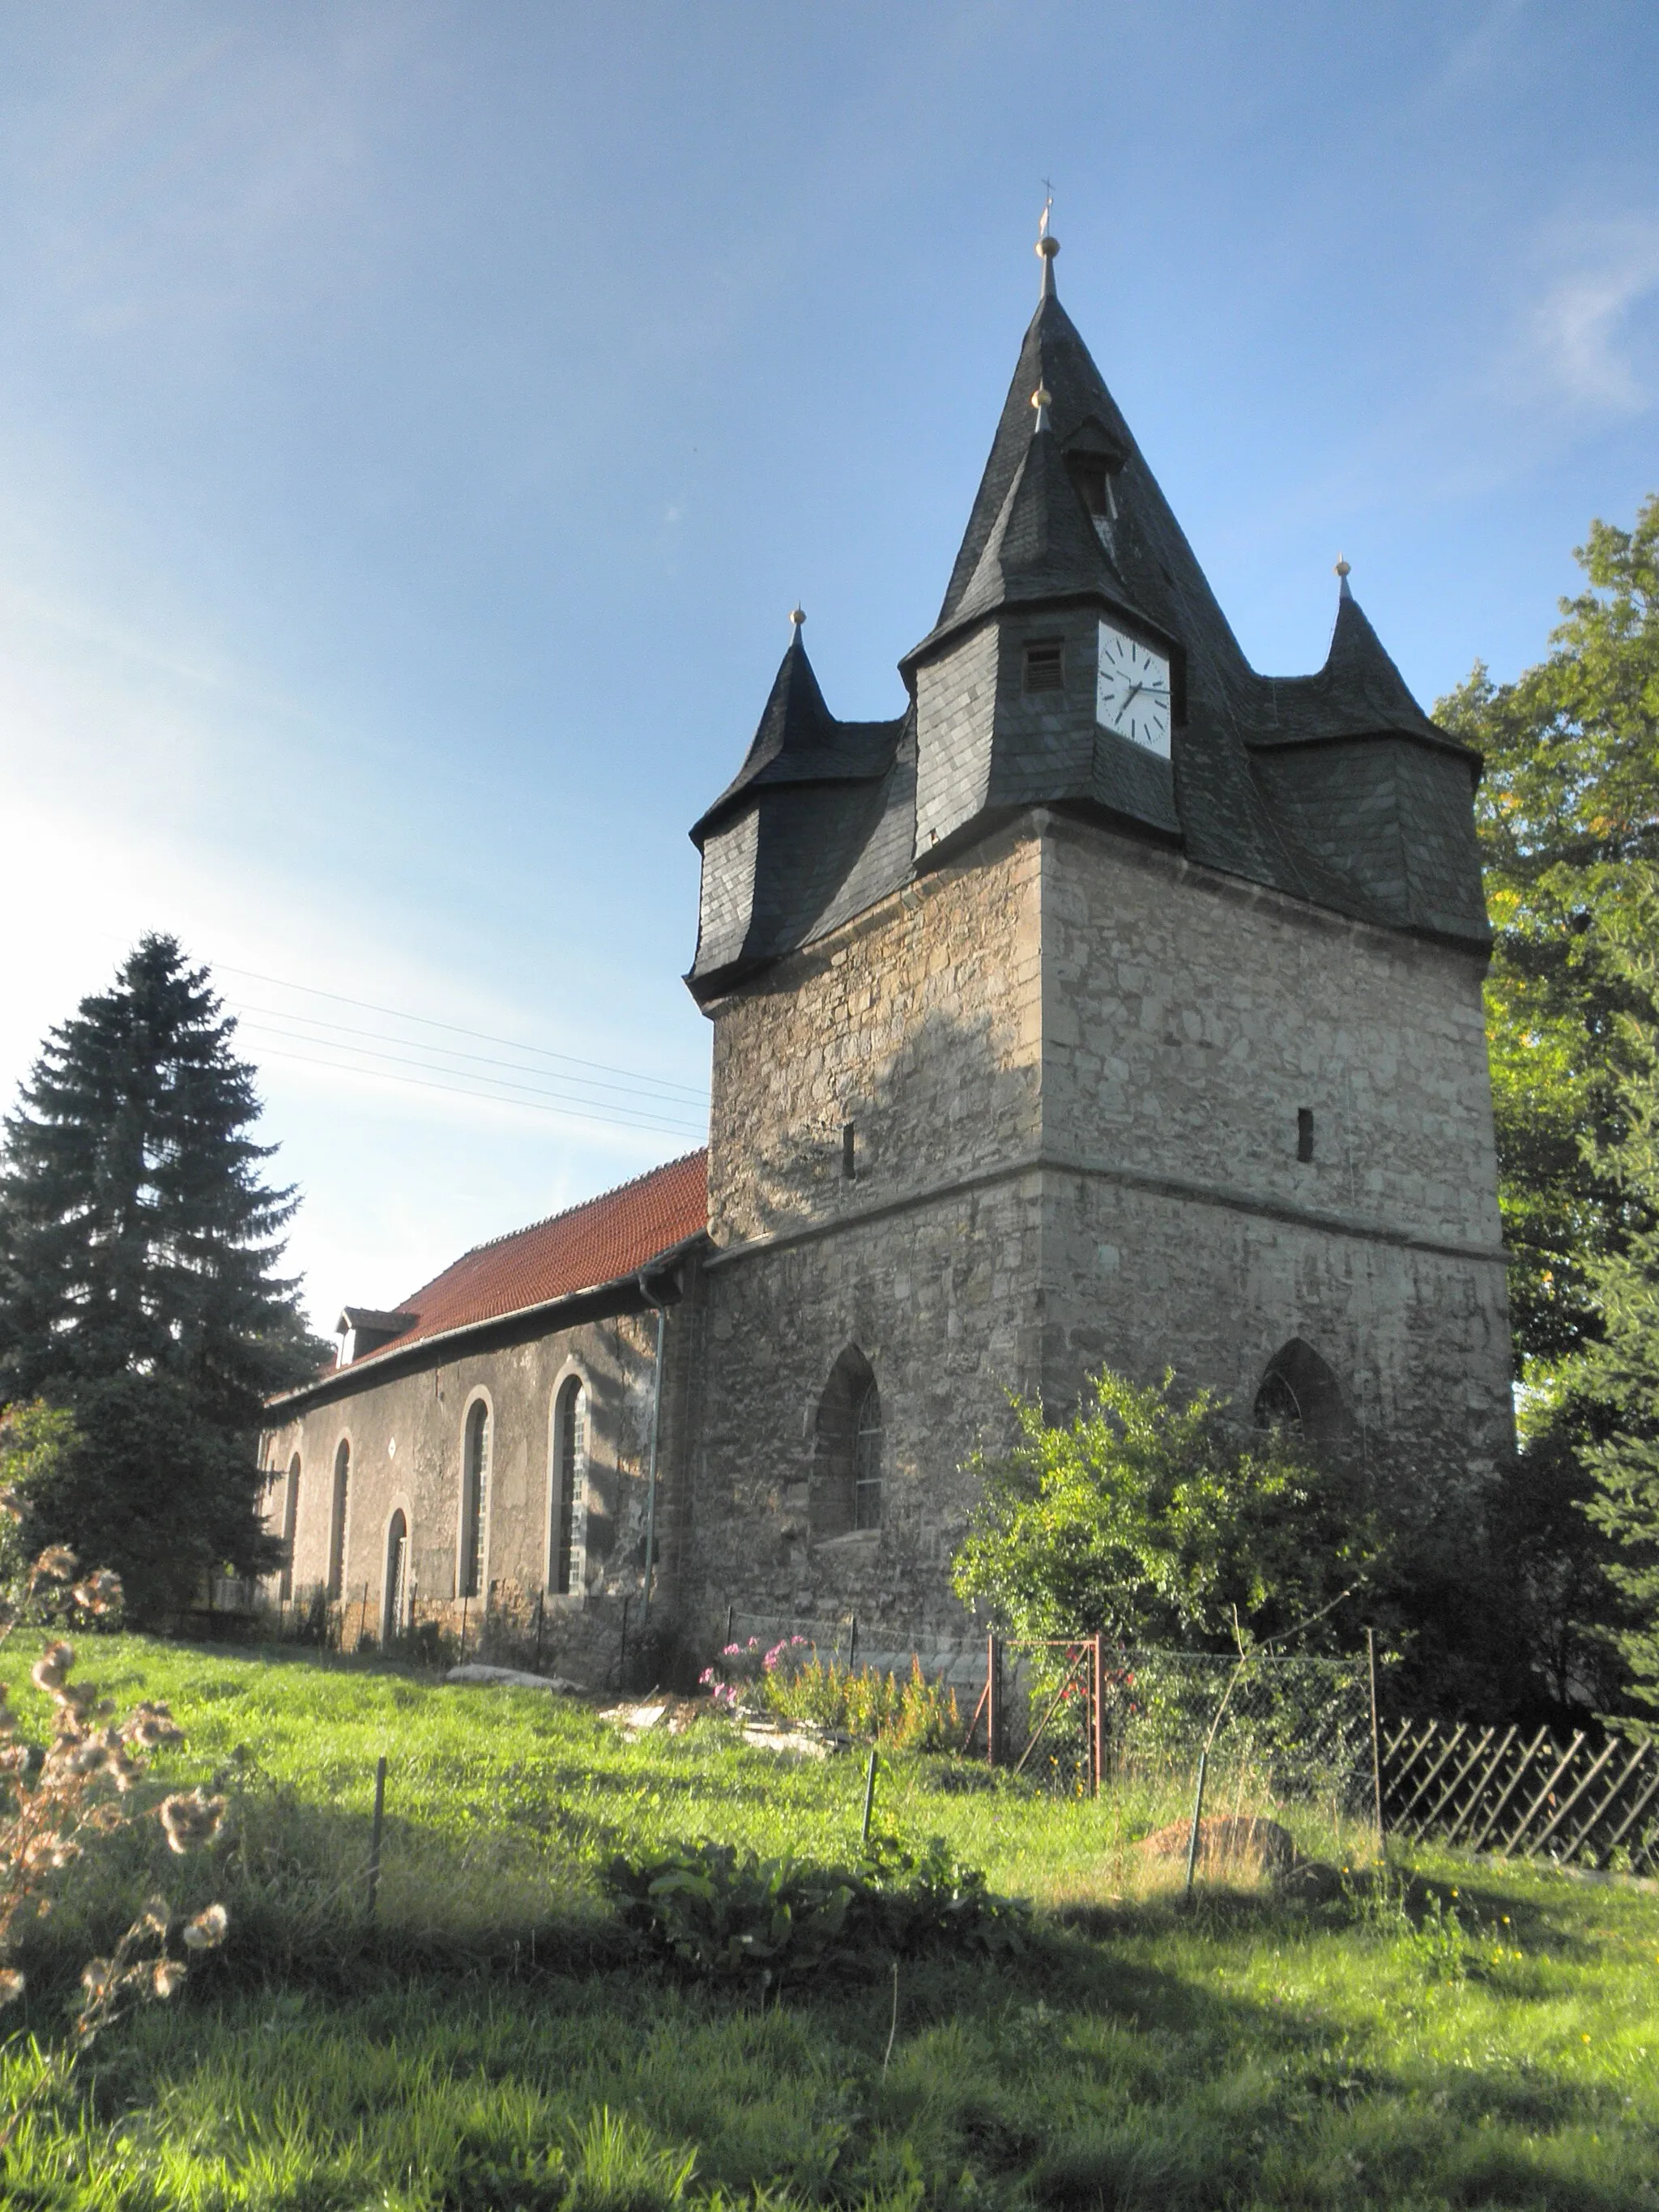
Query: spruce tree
x=138 y=1283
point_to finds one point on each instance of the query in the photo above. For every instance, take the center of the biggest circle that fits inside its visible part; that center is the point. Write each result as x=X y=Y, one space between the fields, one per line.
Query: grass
x=1468 y=2037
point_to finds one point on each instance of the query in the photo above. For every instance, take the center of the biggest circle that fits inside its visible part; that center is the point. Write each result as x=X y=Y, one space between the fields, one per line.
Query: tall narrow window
x=475 y=1497
x=866 y=1461
x=290 y=1521
x=569 y=1470
x=336 y=1519
x=394 y=1591
x=845 y=1492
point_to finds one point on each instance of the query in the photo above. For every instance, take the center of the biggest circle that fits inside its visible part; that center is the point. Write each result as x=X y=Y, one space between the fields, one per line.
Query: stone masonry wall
x=405 y=1431
x=919 y=1023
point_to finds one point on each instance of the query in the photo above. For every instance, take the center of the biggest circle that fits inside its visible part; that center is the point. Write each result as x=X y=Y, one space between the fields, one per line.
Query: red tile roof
x=604 y=1240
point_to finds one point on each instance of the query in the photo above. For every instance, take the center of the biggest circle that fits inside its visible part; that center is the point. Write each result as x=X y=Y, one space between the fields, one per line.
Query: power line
x=490 y=1082
x=311 y=1022
x=482 y=1036
x=569 y=1112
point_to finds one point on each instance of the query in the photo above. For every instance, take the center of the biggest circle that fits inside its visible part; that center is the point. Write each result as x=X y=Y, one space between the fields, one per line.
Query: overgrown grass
x=1474 y=2037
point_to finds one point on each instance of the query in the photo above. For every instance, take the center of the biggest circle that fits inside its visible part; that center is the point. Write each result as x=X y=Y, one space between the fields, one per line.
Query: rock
x=1228 y=1844
x=514 y=1678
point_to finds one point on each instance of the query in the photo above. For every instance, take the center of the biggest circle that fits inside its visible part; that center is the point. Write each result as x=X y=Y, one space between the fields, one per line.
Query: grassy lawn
x=493 y=2043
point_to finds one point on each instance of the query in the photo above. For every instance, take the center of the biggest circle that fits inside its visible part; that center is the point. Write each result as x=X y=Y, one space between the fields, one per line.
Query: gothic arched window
x=475 y=1497
x=567 y=1473
x=394 y=1591
x=1300 y=1394
x=845 y=1493
x=337 y=1518
x=290 y=1521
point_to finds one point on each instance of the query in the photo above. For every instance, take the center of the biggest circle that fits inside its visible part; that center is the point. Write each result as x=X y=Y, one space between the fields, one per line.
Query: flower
x=11 y=1985
x=191 y=1820
x=151 y=1725
x=207 y=1929
x=97 y=1978
x=166 y=1975
x=56 y=1563
x=51 y=1670
x=100 y=1593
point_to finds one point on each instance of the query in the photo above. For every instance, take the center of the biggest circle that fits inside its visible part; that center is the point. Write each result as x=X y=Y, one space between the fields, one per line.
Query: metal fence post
x=374 y=1837
x=1097 y=1714
x=992 y=1696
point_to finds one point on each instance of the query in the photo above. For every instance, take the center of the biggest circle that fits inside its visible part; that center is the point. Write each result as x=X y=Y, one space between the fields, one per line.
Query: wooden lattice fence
x=1589 y=1802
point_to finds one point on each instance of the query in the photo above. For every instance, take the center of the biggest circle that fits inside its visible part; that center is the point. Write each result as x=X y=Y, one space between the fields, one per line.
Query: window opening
x=866 y=1461
x=1300 y=1393
x=1045 y=667
x=337 y=1546
x=290 y=1517
x=845 y=1491
x=1304 y=1132
x=570 y=1466
x=394 y=1603
x=850 y=1165
x=475 y=1500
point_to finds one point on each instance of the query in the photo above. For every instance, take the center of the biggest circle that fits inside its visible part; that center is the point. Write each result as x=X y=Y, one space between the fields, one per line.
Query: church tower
x=1114 y=1003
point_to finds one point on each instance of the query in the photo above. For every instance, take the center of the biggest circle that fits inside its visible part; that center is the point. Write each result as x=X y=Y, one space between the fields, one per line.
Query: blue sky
x=416 y=420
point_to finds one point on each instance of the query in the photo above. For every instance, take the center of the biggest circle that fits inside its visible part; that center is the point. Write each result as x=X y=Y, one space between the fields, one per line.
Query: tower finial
x=797 y=617
x=1342 y=574
x=1042 y=400
x=1047 y=245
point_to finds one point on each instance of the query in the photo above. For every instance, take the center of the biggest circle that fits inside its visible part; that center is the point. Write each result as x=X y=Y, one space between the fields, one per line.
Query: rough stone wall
x=919 y=1023
x=939 y=1298
x=406 y=1436
x=1135 y=1196
x=1187 y=1017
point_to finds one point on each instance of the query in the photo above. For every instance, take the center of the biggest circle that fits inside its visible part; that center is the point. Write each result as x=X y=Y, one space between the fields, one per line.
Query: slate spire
x=1367 y=692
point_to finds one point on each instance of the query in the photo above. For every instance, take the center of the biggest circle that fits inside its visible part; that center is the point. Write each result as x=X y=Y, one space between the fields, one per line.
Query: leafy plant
x=1147 y=1517
x=728 y=1916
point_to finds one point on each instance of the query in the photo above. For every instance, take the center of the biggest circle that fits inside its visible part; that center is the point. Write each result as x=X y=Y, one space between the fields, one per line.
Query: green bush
x=731 y=1917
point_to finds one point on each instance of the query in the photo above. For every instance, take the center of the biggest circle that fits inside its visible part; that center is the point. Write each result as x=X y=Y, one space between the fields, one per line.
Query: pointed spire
x=1343 y=572
x=1047 y=246
x=1367 y=691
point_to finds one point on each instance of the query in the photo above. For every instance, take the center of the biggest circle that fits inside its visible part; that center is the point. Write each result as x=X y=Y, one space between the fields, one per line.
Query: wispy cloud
x=1590 y=342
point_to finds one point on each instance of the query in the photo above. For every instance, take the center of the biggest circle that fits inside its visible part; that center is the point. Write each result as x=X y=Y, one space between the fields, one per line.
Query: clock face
x=1132 y=690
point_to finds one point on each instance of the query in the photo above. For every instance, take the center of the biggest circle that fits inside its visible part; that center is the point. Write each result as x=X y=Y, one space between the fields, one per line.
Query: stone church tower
x=1114 y=1003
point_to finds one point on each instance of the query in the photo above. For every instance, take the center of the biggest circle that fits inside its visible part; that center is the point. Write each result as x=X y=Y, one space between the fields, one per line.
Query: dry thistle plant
x=57 y=1799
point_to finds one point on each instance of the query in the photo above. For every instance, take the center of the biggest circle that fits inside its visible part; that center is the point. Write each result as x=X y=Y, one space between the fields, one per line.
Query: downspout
x=650 y=1477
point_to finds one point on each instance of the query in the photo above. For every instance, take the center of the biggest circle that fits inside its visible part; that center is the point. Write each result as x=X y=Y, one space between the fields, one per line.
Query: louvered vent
x=1045 y=667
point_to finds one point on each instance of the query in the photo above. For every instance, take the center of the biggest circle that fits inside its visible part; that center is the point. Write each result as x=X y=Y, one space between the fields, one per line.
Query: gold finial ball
x=798 y=616
x=1047 y=246
x=1043 y=396
x=1342 y=567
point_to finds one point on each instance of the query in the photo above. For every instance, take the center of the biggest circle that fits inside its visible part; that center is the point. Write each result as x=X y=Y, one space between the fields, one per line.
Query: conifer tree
x=138 y=1289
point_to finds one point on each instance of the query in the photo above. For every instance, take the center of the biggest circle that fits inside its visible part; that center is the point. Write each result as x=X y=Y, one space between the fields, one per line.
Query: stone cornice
x=1219 y=1195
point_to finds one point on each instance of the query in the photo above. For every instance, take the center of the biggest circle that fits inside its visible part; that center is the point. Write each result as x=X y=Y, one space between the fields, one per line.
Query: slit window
x=1304 y=1132
x=849 y=1163
x=475 y=1497
x=336 y=1533
x=1045 y=667
x=570 y=1468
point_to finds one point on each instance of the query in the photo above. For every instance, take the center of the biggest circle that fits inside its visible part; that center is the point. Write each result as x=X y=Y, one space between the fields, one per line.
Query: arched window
x=566 y=1476
x=337 y=1518
x=394 y=1590
x=846 y=1487
x=475 y=1497
x=290 y=1520
x=1300 y=1394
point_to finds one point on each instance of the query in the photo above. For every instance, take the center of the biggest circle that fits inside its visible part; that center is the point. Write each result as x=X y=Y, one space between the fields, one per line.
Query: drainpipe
x=651 y=1479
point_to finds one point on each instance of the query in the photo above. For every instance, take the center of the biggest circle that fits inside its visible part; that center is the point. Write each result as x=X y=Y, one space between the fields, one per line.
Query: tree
x=1618 y=1378
x=1568 y=816
x=138 y=1291
x=1149 y=1518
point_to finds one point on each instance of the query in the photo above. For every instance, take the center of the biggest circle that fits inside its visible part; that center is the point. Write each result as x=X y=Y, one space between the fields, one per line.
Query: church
x=1113 y=1004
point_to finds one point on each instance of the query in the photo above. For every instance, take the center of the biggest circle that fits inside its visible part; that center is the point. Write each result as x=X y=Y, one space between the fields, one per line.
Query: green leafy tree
x=1152 y=1520
x=1568 y=815
x=1617 y=1379
x=138 y=1291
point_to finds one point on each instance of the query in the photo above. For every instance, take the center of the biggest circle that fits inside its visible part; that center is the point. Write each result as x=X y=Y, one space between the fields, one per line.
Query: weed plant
x=1440 y=2034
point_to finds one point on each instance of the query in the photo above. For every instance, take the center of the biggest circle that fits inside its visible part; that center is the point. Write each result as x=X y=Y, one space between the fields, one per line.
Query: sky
x=416 y=422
